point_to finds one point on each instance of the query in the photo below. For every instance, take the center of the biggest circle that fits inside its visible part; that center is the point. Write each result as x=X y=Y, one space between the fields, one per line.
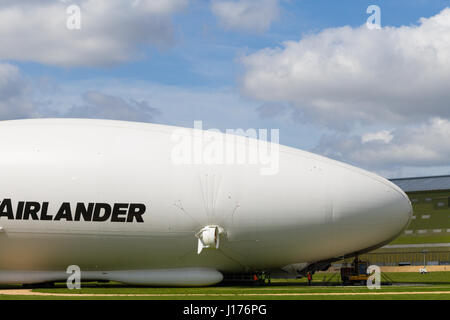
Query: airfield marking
x=28 y=292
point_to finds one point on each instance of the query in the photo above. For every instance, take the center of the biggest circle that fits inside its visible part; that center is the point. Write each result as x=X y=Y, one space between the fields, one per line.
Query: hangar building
x=427 y=238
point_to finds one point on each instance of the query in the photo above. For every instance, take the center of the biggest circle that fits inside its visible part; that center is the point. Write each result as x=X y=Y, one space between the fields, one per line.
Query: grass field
x=411 y=286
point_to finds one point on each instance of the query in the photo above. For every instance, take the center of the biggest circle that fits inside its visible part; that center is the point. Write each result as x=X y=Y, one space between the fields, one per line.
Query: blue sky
x=202 y=43
x=311 y=68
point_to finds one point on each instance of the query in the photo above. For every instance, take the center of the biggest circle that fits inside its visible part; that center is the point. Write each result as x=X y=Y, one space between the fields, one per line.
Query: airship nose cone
x=401 y=207
x=369 y=210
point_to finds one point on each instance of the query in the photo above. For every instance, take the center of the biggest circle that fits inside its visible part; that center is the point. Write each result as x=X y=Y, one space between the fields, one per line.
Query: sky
x=377 y=98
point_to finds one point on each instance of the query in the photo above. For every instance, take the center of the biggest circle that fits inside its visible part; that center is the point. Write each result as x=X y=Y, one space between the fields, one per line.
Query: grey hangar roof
x=435 y=183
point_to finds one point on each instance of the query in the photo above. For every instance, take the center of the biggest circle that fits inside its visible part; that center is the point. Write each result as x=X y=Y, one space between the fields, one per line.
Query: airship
x=114 y=199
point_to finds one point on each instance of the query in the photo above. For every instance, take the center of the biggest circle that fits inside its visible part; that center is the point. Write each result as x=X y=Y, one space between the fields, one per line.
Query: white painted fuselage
x=311 y=210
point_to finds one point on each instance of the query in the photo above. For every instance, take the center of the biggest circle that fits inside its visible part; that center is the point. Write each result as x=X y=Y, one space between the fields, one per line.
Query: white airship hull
x=312 y=210
x=170 y=277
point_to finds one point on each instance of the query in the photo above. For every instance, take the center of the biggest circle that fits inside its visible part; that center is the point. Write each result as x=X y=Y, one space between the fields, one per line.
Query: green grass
x=343 y=297
x=411 y=282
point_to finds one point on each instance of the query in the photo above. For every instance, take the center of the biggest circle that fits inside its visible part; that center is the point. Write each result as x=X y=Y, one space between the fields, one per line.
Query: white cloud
x=22 y=98
x=424 y=145
x=342 y=76
x=15 y=94
x=383 y=136
x=111 y=31
x=271 y=110
x=220 y=108
x=102 y=106
x=246 y=15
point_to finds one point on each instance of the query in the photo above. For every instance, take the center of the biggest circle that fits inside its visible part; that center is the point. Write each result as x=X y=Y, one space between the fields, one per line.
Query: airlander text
x=95 y=212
